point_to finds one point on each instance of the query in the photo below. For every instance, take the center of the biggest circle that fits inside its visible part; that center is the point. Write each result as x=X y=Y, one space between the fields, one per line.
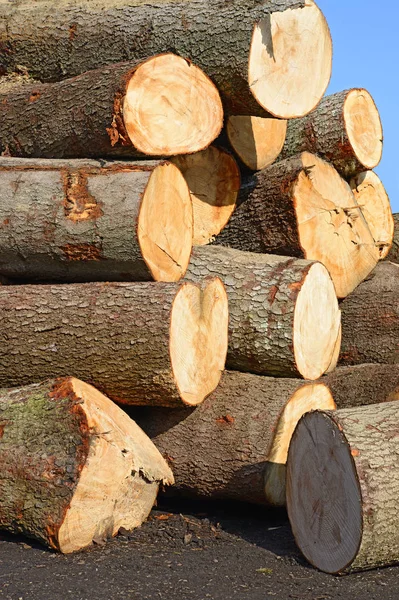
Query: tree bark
x=345 y=129
x=301 y=207
x=243 y=428
x=284 y=318
x=213 y=177
x=370 y=194
x=342 y=488
x=160 y=106
x=74 y=467
x=143 y=343
x=239 y=46
x=82 y=220
x=393 y=255
x=257 y=141
x=370 y=319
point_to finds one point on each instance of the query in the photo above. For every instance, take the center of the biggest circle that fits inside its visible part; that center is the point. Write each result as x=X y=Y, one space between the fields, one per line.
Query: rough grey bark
x=232 y=431
x=112 y=335
x=262 y=292
x=72 y=220
x=370 y=319
x=368 y=535
x=393 y=255
x=79 y=117
x=215 y=35
x=324 y=132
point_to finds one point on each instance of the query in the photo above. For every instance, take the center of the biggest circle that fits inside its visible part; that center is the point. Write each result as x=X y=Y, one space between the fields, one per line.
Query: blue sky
x=366 y=54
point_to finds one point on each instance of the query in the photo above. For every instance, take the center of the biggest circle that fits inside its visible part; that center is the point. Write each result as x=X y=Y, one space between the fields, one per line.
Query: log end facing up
x=324 y=500
x=165 y=224
x=363 y=127
x=199 y=338
x=290 y=61
x=171 y=107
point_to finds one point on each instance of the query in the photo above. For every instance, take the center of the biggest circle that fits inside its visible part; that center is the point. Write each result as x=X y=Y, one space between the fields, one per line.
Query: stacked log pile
x=138 y=256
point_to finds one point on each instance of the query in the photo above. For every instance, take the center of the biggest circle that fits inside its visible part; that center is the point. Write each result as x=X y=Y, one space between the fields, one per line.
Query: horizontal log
x=86 y=220
x=74 y=467
x=370 y=319
x=284 y=318
x=273 y=56
x=213 y=177
x=160 y=106
x=345 y=129
x=393 y=255
x=139 y=343
x=301 y=207
x=342 y=485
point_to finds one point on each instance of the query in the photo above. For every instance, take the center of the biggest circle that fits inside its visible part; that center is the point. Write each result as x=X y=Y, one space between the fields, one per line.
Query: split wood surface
x=74 y=467
x=139 y=343
x=342 y=487
x=86 y=220
x=160 y=107
x=370 y=319
x=284 y=318
x=302 y=207
x=263 y=56
x=345 y=129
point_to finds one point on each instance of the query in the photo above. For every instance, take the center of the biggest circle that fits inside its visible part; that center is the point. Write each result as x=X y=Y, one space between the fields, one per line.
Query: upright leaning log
x=302 y=207
x=263 y=56
x=139 y=343
x=160 y=107
x=86 y=220
x=74 y=467
x=342 y=487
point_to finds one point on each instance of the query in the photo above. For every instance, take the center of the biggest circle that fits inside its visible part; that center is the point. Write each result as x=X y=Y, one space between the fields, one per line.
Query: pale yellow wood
x=370 y=194
x=363 y=126
x=290 y=61
x=332 y=228
x=258 y=141
x=119 y=482
x=171 y=107
x=198 y=338
x=165 y=228
x=213 y=178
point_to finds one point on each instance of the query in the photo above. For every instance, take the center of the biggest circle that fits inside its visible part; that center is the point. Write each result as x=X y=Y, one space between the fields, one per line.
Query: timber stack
x=177 y=198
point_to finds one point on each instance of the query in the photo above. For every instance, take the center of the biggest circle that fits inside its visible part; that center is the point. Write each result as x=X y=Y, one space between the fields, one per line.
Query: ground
x=186 y=552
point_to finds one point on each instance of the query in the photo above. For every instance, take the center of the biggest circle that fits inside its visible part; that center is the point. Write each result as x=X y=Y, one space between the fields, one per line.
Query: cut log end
x=213 y=178
x=198 y=338
x=323 y=494
x=332 y=228
x=290 y=61
x=256 y=140
x=166 y=241
x=363 y=126
x=316 y=309
x=119 y=481
x=374 y=202
x=171 y=107
x=307 y=398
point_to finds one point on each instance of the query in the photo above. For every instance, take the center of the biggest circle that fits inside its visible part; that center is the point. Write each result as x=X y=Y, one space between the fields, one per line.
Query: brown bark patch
x=34 y=96
x=72 y=31
x=79 y=204
x=117 y=132
x=81 y=252
x=226 y=420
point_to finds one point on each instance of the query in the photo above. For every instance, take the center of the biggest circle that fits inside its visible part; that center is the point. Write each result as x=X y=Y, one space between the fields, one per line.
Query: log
x=393 y=255
x=246 y=422
x=86 y=220
x=214 y=179
x=138 y=343
x=160 y=107
x=301 y=207
x=342 y=488
x=74 y=467
x=370 y=319
x=258 y=141
x=370 y=194
x=284 y=318
x=263 y=56
x=345 y=129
